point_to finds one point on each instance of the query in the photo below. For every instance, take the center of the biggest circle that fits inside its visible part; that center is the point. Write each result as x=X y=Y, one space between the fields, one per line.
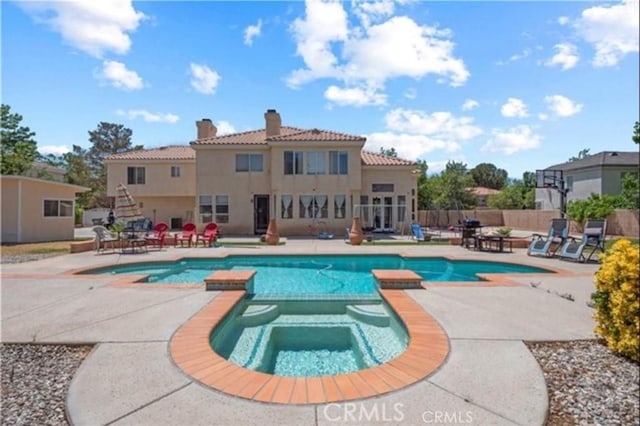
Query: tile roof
x=374 y=159
x=604 y=158
x=171 y=152
x=259 y=137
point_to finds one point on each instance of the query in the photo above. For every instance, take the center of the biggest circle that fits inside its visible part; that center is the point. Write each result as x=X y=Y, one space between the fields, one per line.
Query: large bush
x=594 y=207
x=617 y=299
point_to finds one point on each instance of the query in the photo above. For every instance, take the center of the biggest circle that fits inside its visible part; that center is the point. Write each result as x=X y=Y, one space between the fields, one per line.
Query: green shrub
x=594 y=207
x=617 y=299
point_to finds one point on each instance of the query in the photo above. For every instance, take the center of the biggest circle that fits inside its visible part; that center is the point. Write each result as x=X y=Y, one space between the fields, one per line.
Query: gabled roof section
x=373 y=159
x=252 y=137
x=604 y=158
x=317 y=135
x=170 y=152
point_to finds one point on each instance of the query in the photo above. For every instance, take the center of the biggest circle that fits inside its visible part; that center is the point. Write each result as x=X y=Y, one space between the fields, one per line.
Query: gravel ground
x=35 y=380
x=588 y=385
x=19 y=258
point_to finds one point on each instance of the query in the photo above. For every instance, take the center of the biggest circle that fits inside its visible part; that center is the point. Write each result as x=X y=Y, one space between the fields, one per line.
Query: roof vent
x=315 y=131
x=614 y=154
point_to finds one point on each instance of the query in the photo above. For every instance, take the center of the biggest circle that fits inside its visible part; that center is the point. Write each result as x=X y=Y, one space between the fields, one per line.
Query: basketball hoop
x=553 y=179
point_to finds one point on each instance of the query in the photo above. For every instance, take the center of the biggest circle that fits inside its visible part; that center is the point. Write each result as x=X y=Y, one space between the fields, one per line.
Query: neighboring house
x=600 y=174
x=45 y=171
x=482 y=195
x=310 y=180
x=36 y=210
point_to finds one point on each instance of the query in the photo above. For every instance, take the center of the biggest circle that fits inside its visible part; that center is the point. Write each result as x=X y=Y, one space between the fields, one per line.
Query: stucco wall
x=158 y=178
x=9 y=219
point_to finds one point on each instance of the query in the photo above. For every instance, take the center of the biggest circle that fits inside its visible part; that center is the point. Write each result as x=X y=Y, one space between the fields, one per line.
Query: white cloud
x=379 y=50
x=354 y=96
x=204 y=79
x=117 y=75
x=514 y=108
x=566 y=56
x=518 y=56
x=469 y=104
x=411 y=93
x=613 y=31
x=510 y=141
x=408 y=147
x=543 y=117
x=563 y=20
x=94 y=27
x=251 y=32
x=54 y=149
x=149 y=117
x=562 y=106
x=225 y=128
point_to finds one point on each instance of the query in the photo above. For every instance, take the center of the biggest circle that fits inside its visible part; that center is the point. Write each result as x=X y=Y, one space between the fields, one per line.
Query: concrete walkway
x=490 y=377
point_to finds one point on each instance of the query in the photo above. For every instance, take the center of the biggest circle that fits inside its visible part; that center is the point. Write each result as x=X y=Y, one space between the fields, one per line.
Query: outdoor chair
x=209 y=235
x=593 y=238
x=157 y=238
x=555 y=238
x=416 y=230
x=104 y=237
x=188 y=234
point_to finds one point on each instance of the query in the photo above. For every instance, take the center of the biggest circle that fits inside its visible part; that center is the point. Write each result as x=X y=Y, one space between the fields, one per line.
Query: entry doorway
x=383 y=214
x=260 y=214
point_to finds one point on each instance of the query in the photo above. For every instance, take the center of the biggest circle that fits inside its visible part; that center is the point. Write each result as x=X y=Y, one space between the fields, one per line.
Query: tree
x=629 y=197
x=489 y=176
x=514 y=196
x=107 y=139
x=582 y=154
x=636 y=133
x=451 y=189
x=529 y=180
x=391 y=152
x=19 y=148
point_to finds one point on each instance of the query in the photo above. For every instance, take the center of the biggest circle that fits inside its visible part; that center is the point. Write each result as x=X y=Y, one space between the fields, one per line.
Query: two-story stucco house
x=310 y=180
x=600 y=174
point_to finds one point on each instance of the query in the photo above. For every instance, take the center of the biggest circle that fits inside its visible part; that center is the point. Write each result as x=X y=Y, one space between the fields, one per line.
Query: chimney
x=206 y=129
x=273 y=122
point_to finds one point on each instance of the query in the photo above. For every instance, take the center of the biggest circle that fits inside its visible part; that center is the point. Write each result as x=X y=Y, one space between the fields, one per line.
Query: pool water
x=310 y=338
x=319 y=274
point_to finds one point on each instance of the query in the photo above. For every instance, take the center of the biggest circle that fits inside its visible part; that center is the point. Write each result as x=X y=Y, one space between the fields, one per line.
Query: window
x=570 y=183
x=402 y=208
x=316 y=163
x=293 y=162
x=364 y=208
x=135 y=175
x=58 y=208
x=313 y=206
x=205 y=209
x=286 y=204
x=222 y=208
x=175 y=171
x=249 y=163
x=339 y=206
x=382 y=187
x=338 y=162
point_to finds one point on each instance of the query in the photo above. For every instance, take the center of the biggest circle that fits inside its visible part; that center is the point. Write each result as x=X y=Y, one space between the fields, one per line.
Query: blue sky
x=522 y=85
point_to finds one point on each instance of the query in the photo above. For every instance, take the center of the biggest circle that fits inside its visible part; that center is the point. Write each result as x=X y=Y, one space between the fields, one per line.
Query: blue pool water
x=319 y=274
x=310 y=338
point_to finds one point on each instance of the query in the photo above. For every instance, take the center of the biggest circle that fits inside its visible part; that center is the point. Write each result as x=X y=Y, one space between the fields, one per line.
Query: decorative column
x=355 y=234
x=272 y=237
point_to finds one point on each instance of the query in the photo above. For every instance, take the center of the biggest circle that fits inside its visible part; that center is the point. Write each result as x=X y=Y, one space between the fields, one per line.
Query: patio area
x=489 y=377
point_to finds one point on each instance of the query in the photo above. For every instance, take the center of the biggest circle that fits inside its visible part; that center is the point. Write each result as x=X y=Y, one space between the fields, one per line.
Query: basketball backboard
x=549 y=179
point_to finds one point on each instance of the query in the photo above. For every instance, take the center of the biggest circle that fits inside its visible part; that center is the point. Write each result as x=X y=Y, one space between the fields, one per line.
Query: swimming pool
x=310 y=338
x=317 y=274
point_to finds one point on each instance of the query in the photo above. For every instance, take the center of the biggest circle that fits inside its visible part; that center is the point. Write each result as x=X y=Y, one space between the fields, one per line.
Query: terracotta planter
x=355 y=234
x=272 y=237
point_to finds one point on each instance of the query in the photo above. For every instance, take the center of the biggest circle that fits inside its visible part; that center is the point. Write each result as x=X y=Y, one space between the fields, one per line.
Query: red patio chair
x=188 y=233
x=157 y=238
x=209 y=235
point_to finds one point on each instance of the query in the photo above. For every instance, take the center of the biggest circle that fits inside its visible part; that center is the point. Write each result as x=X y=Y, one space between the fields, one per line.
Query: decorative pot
x=355 y=234
x=272 y=237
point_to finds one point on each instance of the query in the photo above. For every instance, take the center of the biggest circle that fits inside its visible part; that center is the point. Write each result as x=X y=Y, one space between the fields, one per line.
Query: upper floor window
x=316 y=163
x=338 y=162
x=382 y=187
x=175 y=171
x=249 y=163
x=135 y=176
x=293 y=162
x=58 y=208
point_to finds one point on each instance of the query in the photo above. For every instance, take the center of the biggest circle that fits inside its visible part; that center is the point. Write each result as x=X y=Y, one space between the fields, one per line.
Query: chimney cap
x=206 y=119
x=271 y=110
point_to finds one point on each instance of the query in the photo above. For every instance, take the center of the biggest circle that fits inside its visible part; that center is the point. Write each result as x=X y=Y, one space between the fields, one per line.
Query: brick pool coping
x=191 y=351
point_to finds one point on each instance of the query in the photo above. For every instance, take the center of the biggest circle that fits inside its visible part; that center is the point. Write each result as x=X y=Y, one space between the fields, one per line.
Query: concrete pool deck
x=489 y=377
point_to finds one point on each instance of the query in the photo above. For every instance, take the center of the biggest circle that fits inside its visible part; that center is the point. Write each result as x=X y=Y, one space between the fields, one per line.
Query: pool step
x=258 y=314
x=370 y=314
